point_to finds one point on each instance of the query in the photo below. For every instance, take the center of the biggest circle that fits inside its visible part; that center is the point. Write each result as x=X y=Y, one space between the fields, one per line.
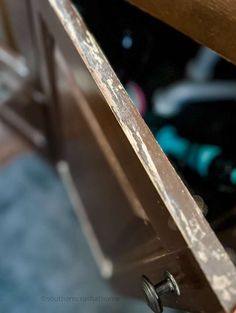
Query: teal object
x=198 y=157
x=233 y=176
x=171 y=143
x=206 y=154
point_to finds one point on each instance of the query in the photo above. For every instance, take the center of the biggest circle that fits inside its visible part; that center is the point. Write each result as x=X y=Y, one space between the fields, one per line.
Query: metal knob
x=153 y=293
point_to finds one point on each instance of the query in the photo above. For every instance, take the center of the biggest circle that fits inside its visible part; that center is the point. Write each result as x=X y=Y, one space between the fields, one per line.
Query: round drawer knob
x=153 y=293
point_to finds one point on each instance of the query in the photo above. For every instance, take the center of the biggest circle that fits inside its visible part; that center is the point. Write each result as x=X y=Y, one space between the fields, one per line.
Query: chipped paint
x=193 y=229
x=203 y=256
x=218 y=254
x=222 y=283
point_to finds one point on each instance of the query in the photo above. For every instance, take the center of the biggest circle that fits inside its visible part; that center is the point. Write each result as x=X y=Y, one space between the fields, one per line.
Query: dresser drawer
x=139 y=217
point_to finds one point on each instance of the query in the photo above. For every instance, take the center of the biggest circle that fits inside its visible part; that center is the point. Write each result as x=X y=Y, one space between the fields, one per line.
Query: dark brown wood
x=6 y=30
x=209 y=22
x=20 y=31
x=17 y=96
x=138 y=213
x=12 y=145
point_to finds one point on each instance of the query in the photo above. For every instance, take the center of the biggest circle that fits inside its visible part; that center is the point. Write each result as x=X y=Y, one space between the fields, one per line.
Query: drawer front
x=139 y=216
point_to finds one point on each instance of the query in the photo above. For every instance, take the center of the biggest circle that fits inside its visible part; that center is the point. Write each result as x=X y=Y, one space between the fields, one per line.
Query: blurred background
x=186 y=94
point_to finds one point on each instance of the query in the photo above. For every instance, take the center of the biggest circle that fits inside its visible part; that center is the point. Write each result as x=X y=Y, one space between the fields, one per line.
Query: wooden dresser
x=138 y=215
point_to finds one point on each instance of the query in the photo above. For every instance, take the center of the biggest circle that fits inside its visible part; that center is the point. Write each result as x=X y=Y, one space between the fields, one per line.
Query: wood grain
x=209 y=22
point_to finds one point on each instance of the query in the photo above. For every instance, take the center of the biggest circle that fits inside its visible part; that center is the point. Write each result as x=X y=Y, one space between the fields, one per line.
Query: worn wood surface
x=209 y=22
x=157 y=226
